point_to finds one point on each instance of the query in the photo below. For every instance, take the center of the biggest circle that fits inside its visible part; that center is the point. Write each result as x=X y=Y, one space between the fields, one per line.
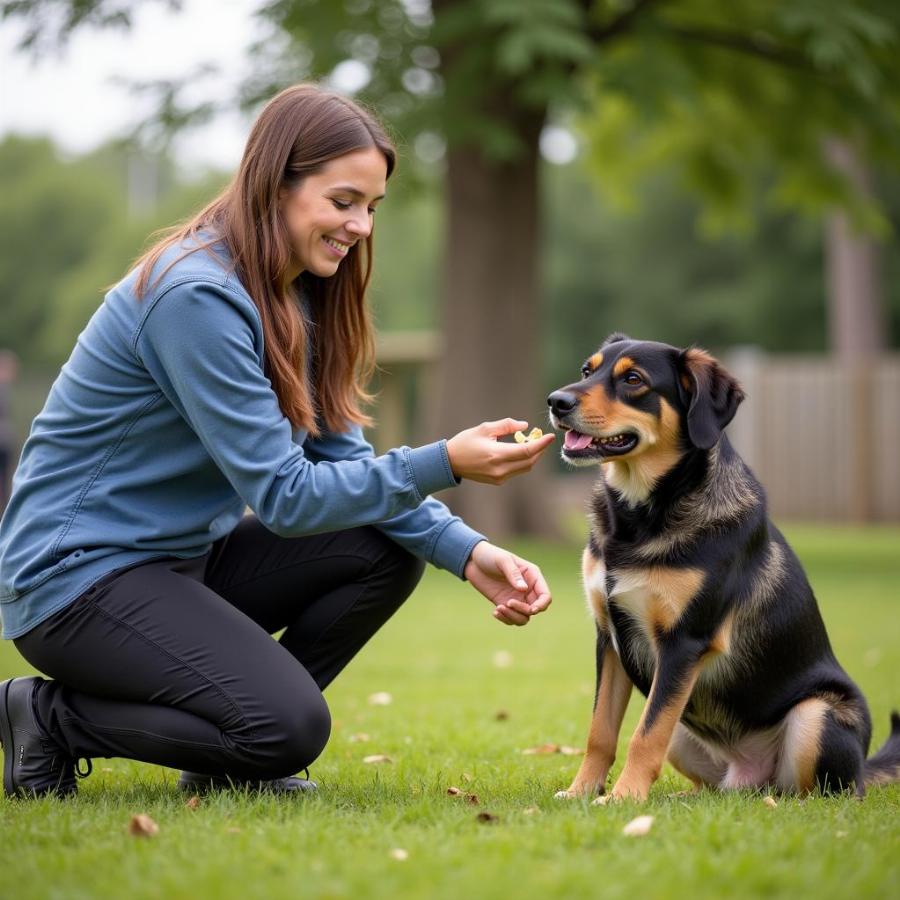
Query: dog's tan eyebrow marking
x=595 y=361
x=623 y=364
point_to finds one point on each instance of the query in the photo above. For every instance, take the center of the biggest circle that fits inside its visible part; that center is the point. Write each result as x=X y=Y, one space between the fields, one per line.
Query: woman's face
x=328 y=212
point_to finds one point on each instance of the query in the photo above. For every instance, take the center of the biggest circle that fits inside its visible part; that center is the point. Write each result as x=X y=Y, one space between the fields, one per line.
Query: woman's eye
x=632 y=378
x=341 y=204
x=371 y=211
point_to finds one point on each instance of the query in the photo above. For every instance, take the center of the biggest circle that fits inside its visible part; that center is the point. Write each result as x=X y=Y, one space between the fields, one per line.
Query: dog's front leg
x=678 y=665
x=610 y=701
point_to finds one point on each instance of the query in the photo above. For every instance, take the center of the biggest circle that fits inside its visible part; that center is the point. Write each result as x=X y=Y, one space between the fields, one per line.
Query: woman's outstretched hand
x=515 y=586
x=476 y=453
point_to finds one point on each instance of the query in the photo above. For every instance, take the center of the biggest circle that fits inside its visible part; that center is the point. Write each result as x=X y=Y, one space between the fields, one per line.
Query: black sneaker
x=33 y=764
x=194 y=783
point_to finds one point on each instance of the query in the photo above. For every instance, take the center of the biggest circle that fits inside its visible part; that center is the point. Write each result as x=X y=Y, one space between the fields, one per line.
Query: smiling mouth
x=579 y=445
x=337 y=246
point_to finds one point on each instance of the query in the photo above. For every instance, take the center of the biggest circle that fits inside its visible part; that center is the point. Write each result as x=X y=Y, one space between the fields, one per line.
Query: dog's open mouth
x=579 y=445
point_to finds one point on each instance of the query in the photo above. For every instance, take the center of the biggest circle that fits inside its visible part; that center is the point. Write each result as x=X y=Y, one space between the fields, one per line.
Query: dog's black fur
x=698 y=599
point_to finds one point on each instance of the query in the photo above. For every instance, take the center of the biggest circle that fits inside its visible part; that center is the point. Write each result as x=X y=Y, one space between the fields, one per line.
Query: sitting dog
x=697 y=597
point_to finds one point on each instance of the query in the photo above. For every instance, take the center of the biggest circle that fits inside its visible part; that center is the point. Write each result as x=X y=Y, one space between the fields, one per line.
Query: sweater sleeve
x=198 y=340
x=430 y=531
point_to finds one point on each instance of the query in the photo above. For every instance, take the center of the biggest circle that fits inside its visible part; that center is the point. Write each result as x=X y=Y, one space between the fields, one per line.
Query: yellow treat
x=532 y=435
x=520 y=438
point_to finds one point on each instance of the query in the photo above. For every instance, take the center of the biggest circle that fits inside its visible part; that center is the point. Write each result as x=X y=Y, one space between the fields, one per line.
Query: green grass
x=437 y=659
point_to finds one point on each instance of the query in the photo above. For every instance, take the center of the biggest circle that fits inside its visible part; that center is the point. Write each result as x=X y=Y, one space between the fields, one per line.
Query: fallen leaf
x=503 y=659
x=399 y=854
x=542 y=749
x=141 y=825
x=466 y=776
x=487 y=817
x=469 y=798
x=193 y=803
x=770 y=802
x=501 y=715
x=638 y=827
x=377 y=758
x=380 y=698
x=359 y=738
x=571 y=751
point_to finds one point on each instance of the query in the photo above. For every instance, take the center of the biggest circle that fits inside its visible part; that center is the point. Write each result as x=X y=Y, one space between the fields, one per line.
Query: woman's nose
x=360 y=225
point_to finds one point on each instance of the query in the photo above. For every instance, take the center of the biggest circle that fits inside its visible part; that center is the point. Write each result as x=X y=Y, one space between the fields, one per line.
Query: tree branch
x=599 y=34
x=757 y=46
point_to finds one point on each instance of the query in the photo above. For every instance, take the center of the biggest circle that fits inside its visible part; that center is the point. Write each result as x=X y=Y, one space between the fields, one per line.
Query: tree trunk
x=856 y=320
x=491 y=366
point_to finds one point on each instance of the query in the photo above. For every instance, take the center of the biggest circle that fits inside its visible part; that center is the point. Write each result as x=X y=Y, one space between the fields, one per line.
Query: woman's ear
x=711 y=394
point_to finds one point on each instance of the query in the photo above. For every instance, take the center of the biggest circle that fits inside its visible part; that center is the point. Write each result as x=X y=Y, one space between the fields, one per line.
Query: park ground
x=467 y=697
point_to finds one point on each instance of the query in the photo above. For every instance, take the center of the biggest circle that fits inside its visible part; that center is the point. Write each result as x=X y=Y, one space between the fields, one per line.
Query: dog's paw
x=604 y=800
x=565 y=795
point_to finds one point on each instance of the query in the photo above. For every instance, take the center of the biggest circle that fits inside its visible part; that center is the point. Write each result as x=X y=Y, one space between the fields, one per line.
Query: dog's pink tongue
x=577 y=441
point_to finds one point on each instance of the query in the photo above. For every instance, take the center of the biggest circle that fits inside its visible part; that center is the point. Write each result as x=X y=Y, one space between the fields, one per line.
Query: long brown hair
x=297 y=132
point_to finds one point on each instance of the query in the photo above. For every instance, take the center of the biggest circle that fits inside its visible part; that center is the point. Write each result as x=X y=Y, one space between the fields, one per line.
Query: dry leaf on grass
x=770 y=802
x=359 y=738
x=487 y=818
x=501 y=715
x=399 y=854
x=543 y=749
x=380 y=698
x=469 y=798
x=141 y=825
x=503 y=659
x=638 y=827
x=377 y=758
x=193 y=803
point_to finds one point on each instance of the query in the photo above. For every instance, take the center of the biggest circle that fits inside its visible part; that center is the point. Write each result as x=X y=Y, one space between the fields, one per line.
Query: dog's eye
x=585 y=371
x=633 y=379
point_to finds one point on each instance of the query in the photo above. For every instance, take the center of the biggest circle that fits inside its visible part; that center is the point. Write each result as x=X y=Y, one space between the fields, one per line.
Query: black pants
x=171 y=662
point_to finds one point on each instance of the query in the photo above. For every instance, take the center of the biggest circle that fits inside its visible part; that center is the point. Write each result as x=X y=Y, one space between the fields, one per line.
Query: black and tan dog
x=697 y=597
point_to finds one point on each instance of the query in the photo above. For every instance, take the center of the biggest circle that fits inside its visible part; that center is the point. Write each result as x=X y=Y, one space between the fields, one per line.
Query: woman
x=225 y=372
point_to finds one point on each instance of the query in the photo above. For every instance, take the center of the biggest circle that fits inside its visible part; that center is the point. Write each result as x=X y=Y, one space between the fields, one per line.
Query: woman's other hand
x=515 y=586
x=476 y=453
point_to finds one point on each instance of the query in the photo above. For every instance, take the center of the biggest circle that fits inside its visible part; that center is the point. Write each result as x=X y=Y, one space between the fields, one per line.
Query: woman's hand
x=476 y=453
x=515 y=586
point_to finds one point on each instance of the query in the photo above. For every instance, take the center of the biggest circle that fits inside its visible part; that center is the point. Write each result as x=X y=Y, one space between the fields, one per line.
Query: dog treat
x=532 y=435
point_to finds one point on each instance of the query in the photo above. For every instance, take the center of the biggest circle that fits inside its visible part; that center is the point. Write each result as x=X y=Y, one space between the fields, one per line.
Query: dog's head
x=642 y=398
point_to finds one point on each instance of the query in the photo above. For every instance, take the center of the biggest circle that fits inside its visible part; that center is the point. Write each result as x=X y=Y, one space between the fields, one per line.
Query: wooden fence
x=822 y=436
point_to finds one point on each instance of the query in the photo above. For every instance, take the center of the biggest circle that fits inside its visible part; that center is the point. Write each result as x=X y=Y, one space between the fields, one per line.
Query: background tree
x=726 y=94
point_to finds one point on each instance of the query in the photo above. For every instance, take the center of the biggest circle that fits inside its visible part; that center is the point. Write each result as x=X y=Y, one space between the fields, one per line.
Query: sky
x=73 y=95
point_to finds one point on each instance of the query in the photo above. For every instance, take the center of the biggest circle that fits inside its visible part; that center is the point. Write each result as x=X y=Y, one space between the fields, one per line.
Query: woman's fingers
x=509 y=616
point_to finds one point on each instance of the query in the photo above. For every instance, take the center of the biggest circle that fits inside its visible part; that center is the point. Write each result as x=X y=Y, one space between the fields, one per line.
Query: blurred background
x=724 y=175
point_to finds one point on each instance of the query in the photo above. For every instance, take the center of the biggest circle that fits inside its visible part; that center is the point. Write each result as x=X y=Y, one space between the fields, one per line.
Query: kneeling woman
x=226 y=371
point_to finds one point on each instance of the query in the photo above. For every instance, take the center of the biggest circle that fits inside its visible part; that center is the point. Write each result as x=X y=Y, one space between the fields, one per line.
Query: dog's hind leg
x=820 y=751
x=610 y=702
x=693 y=760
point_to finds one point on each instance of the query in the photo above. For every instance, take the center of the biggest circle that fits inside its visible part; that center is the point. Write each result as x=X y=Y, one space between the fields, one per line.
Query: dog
x=697 y=598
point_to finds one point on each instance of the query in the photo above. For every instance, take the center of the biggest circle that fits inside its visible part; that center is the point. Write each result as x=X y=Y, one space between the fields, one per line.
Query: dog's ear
x=711 y=394
x=615 y=337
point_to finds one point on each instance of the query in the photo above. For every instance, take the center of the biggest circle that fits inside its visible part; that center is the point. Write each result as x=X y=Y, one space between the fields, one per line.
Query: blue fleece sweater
x=162 y=427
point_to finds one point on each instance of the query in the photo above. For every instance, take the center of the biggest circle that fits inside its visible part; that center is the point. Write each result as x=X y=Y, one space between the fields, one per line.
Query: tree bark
x=856 y=320
x=491 y=365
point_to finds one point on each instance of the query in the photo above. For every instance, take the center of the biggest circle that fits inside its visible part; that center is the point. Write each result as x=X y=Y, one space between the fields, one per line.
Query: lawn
x=468 y=696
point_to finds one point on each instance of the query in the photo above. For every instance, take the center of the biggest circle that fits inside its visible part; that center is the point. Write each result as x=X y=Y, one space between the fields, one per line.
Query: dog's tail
x=884 y=766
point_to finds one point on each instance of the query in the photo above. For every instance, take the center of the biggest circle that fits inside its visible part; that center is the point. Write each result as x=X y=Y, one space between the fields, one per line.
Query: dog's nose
x=562 y=402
